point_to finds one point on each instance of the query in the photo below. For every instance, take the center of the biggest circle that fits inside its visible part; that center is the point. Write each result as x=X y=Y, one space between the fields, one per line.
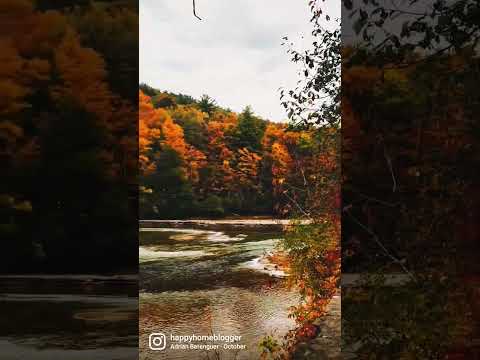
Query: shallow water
x=191 y=281
x=68 y=317
x=195 y=281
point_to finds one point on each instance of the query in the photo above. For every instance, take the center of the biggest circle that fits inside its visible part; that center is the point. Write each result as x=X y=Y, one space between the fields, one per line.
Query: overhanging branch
x=194 y=11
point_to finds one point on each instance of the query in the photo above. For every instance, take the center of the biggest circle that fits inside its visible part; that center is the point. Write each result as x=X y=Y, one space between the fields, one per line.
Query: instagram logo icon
x=157 y=341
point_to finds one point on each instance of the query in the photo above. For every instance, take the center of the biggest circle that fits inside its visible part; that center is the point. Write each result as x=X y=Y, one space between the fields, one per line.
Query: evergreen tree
x=249 y=131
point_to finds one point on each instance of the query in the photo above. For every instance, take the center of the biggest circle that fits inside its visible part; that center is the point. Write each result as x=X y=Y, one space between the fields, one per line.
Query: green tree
x=194 y=128
x=249 y=131
x=212 y=206
x=148 y=90
x=172 y=195
x=207 y=104
x=163 y=101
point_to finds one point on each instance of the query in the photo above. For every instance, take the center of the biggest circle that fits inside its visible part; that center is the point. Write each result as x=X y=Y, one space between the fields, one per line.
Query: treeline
x=68 y=133
x=199 y=159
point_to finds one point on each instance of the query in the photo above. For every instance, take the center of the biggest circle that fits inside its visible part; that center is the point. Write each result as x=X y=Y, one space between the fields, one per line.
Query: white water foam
x=261 y=264
x=186 y=231
x=147 y=254
x=189 y=234
x=222 y=237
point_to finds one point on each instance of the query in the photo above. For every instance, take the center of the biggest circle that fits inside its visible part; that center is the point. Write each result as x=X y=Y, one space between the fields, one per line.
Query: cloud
x=234 y=54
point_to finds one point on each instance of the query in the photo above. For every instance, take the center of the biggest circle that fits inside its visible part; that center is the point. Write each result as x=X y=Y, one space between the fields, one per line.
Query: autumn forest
x=199 y=159
x=374 y=171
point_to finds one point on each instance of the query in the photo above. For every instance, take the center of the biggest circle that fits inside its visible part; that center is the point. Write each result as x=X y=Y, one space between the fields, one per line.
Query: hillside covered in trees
x=198 y=159
x=68 y=138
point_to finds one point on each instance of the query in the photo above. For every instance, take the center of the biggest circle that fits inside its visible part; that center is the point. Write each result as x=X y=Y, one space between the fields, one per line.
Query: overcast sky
x=234 y=54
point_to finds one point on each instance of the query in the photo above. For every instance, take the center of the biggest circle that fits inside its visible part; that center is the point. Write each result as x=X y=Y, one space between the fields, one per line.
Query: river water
x=192 y=281
x=68 y=317
x=197 y=281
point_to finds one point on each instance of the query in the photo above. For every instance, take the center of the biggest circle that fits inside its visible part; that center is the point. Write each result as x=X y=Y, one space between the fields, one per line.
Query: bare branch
x=390 y=167
x=194 y=11
x=297 y=205
x=379 y=243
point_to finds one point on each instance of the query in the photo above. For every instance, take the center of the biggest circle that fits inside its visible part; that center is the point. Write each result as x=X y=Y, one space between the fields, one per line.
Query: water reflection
x=69 y=317
x=208 y=285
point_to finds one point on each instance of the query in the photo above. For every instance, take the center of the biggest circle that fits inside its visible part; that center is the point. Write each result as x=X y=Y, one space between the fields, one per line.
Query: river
x=211 y=279
x=194 y=279
x=69 y=317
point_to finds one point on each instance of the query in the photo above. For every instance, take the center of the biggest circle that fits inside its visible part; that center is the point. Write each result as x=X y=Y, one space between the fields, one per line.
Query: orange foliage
x=282 y=164
x=41 y=51
x=172 y=134
x=237 y=171
x=157 y=127
x=247 y=169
